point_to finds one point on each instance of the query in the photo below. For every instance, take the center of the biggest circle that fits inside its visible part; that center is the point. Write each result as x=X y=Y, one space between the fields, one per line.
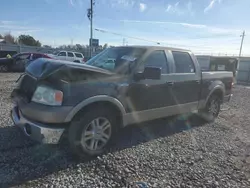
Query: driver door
x=62 y=55
x=148 y=97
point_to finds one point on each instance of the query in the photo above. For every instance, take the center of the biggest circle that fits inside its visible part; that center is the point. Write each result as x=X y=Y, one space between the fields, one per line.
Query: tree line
x=21 y=39
x=30 y=41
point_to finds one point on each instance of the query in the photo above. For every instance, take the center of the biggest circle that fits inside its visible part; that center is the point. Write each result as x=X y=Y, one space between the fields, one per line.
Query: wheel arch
x=101 y=99
x=218 y=90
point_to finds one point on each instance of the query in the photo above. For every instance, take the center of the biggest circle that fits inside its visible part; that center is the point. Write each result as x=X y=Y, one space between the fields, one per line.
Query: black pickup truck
x=118 y=87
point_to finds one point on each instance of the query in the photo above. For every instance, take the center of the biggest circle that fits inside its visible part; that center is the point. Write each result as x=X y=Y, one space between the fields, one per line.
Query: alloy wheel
x=214 y=107
x=96 y=134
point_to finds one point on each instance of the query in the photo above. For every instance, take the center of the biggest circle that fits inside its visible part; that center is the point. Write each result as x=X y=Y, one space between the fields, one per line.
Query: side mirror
x=153 y=73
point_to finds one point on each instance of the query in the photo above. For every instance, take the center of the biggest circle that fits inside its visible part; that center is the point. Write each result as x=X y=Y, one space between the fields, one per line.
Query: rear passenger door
x=71 y=56
x=186 y=81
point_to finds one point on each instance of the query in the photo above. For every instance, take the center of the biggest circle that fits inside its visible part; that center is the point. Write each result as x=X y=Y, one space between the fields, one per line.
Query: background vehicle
x=70 y=56
x=18 y=62
x=213 y=63
x=118 y=87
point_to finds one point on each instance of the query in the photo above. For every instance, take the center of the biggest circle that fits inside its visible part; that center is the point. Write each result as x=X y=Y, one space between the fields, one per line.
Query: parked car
x=18 y=62
x=70 y=56
x=120 y=86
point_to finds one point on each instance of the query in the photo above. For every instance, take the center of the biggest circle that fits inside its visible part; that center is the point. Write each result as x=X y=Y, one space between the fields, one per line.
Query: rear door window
x=70 y=54
x=183 y=62
x=78 y=55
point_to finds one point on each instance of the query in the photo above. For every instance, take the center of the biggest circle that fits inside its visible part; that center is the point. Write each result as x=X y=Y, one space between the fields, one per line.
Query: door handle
x=170 y=83
x=197 y=81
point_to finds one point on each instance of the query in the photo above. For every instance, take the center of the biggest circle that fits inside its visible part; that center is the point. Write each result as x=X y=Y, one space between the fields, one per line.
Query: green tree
x=28 y=40
x=47 y=46
x=105 y=46
x=9 y=38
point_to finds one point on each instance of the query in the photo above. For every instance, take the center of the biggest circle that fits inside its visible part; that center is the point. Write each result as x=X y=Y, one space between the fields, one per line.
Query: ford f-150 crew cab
x=118 y=87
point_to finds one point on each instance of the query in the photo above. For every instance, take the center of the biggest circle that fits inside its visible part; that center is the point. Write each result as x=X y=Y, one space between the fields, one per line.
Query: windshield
x=116 y=59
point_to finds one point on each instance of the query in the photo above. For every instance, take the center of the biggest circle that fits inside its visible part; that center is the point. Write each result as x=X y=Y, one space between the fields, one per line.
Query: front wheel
x=212 y=109
x=90 y=133
x=3 y=68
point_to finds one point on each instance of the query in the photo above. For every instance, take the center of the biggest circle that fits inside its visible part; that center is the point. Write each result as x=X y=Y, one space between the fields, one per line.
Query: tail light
x=83 y=60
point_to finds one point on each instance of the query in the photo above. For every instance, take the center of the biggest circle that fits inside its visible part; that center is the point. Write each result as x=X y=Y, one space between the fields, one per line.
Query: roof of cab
x=156 y=47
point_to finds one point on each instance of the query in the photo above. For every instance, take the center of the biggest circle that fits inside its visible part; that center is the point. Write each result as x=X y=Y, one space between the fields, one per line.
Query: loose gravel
x=175 y=152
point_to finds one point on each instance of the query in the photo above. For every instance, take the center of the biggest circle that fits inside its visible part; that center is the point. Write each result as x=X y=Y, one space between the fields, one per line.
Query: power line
x=200 y=48
x=106 y=31
x=158 y=43
x=225 y=36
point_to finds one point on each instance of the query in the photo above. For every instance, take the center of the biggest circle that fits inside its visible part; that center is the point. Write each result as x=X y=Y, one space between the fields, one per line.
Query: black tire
x=81 y=124
x=212 y=109
x=3 y=68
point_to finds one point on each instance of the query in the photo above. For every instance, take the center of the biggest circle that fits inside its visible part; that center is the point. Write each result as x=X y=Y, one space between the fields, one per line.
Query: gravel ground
x=176 y=152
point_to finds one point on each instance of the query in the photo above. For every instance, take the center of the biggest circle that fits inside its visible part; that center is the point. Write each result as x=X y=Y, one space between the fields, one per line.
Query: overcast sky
x=208 y=26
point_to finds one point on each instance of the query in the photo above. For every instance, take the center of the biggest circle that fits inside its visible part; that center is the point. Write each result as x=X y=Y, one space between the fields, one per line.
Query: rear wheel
x=90 y=133
x=212 y=108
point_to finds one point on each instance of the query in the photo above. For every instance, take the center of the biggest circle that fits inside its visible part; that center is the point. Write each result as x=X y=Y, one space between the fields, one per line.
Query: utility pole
x=90 y=16
x=241 y=45
x=242 y=40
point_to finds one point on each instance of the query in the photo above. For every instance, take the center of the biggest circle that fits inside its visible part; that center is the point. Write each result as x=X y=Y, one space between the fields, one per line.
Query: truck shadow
x=23 y=160
x=145 y=132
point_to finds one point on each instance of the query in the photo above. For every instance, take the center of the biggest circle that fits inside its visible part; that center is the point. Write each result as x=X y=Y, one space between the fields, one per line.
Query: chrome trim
x=146 y=115
x=217 y=74
x=99 y=98
x=39 y=132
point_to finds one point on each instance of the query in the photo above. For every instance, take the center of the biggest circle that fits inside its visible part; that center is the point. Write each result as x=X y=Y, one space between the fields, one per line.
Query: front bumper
x=36 y=131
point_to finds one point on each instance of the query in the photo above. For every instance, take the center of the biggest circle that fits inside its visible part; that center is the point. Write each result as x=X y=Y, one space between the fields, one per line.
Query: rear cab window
x=78 y=55
x=183 y=62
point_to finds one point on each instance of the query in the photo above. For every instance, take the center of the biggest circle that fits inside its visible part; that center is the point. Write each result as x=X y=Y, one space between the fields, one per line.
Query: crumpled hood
x=42 y=68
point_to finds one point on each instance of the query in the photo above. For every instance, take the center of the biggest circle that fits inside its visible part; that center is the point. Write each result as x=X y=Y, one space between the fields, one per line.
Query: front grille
x=28 y=87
